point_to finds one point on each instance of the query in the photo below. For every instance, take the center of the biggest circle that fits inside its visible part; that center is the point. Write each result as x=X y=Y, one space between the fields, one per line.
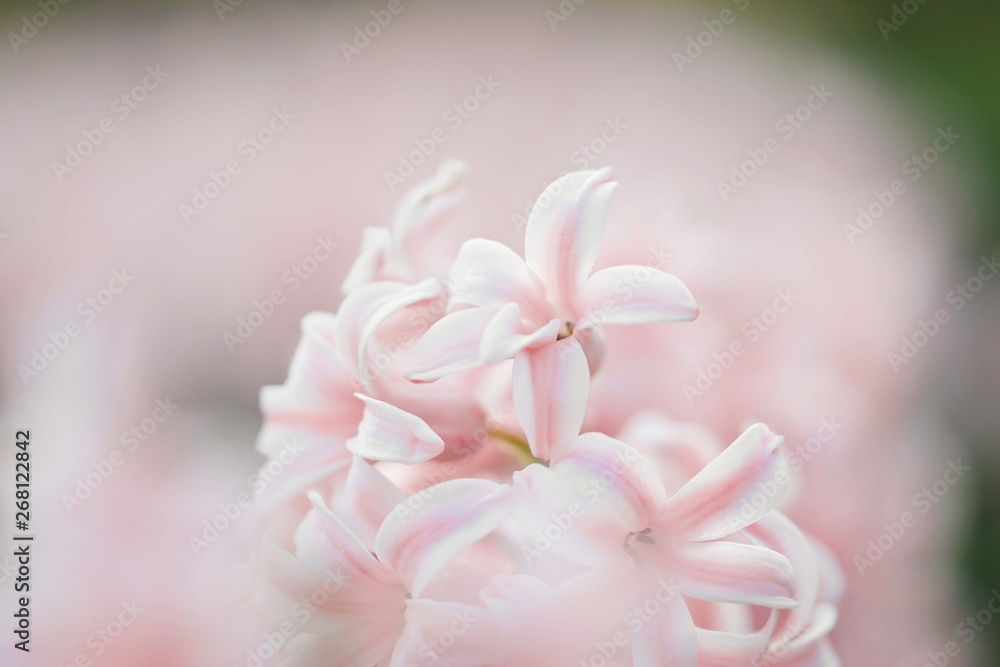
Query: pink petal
x=603 y=468
x=809 y=645
x=375 y=243
x=298 y=464
x=741 y=485
x=491 y=275
x=548 y=625
x=551 y=387
x=560 y=520
x=324 y=542
x=362 y=642
x=832 y=581
x=503 y=337
x=329 y=568
x=290 y=410
x=776 y=531
x=368 y=307
x=730 y=572
x=284 y=580
x=668 y=636
x=387 y=433
x=724 y=649
x=427 y=200
x=819 y=654
x=680 y=448
x=364 y=499
x=634 y=295
x=317 y=399
x=564 y=232
x=446 y=633
x=425 y=532
x=450 y=345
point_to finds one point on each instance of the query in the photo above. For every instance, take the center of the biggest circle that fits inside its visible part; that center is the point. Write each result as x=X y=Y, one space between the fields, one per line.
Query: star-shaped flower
x=502 y=304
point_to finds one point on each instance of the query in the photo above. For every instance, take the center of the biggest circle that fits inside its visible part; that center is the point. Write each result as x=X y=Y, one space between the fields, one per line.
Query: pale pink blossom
x=509 y=304
x=693 y=525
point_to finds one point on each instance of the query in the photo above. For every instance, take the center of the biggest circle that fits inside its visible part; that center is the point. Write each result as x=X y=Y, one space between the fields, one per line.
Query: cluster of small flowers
x=447 y=487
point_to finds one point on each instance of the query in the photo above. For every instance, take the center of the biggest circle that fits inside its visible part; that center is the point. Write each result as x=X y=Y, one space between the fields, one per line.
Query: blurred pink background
x=604 y=79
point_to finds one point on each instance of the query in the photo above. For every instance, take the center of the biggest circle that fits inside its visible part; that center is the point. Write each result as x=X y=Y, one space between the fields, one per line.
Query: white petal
x=425 y=532
x=387 y=433
x=634 y=295
x=615 y=473
x=375 y=243
x=731 y=572
x=666 y=637
x=428 y=199
x=778 y=532
x=723 y=649
x=561 y=519
x=741 y=485
x=551 y=388
x=450 y=345
x=564 y=232
x=364 y=499
x=365 y=309
x=503 y=337
x=491 y=275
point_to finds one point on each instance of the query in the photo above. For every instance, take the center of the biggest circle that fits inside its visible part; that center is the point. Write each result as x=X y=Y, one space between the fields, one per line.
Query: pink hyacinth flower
x=503 y=304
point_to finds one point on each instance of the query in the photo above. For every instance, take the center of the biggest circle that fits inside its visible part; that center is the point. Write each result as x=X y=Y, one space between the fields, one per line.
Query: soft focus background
x=121 y=305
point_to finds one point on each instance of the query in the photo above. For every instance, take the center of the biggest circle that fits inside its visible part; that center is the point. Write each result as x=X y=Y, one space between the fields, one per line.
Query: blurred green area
x=942 y=64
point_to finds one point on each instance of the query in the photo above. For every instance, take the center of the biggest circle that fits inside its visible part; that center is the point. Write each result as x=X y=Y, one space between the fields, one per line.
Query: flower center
x=566 y=331
x=515 y=446
x=634 y=539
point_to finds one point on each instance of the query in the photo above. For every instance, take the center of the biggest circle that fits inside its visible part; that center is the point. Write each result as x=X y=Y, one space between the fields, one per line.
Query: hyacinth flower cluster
x=456 y=507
